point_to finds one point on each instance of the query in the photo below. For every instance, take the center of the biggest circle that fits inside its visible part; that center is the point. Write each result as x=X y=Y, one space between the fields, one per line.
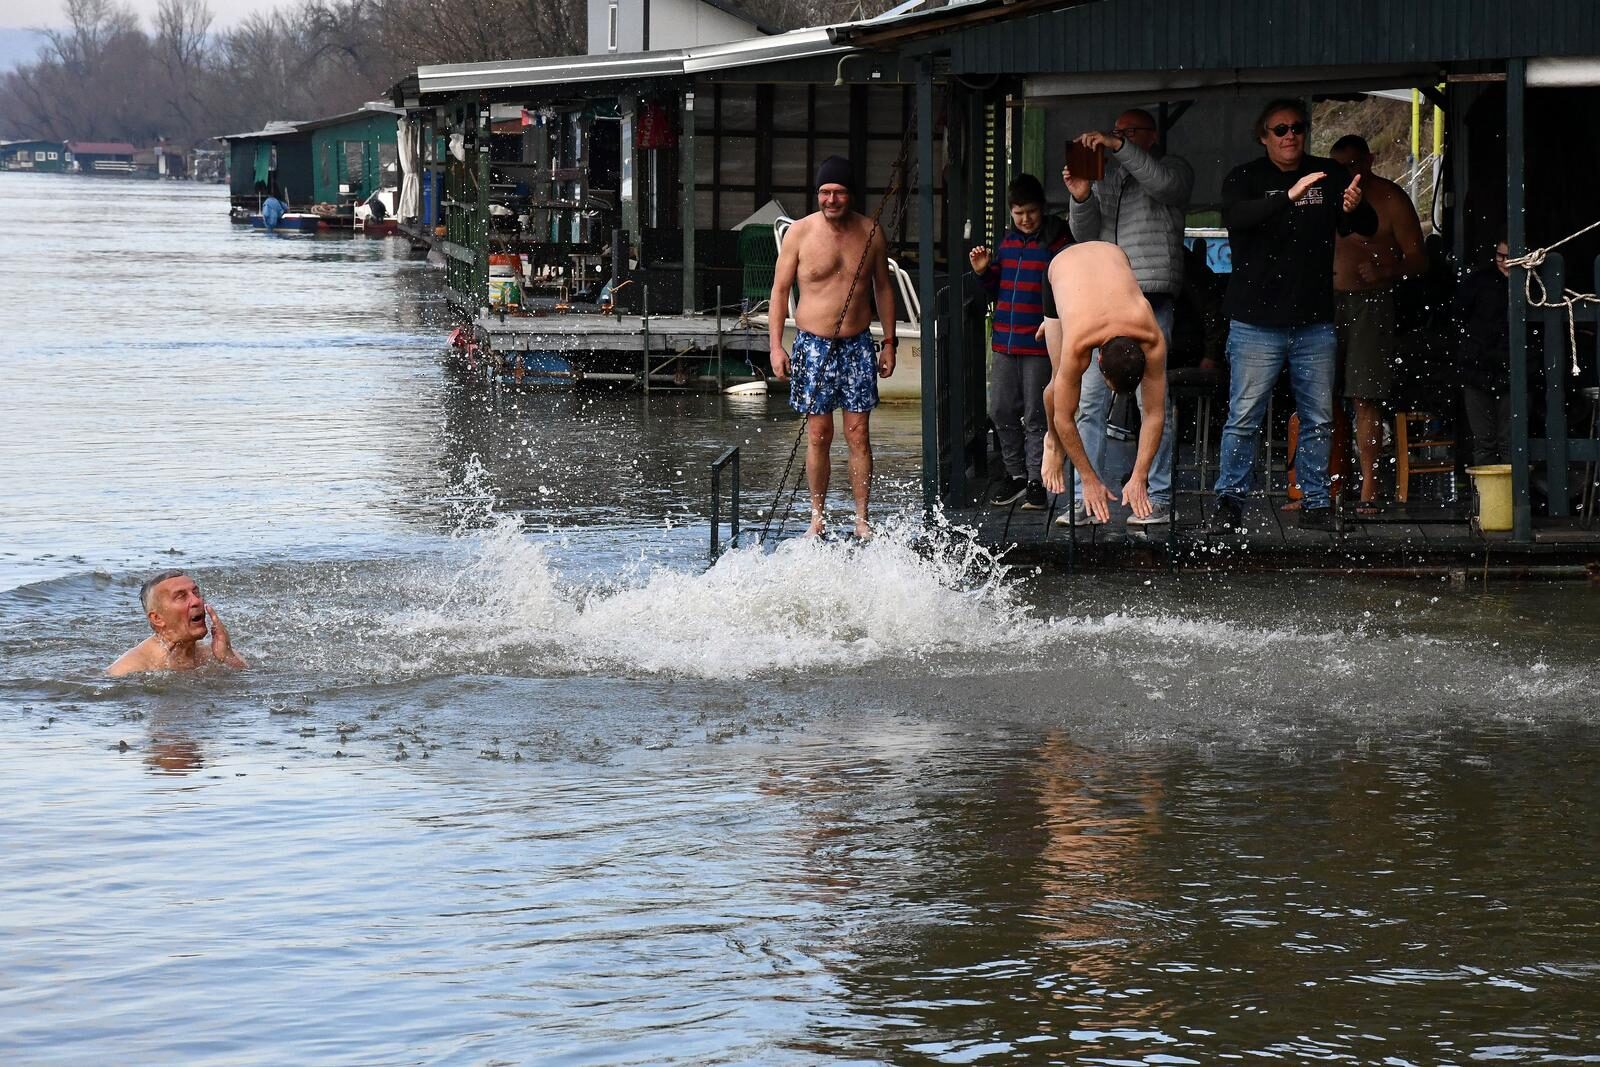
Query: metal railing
x=727 y=459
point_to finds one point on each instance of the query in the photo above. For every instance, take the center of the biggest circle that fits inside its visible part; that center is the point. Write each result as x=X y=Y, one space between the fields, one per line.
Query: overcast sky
x=49 y=12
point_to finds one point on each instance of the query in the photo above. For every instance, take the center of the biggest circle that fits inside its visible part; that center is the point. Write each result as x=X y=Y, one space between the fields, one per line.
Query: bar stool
x=1196 y=385
x=1407 y=441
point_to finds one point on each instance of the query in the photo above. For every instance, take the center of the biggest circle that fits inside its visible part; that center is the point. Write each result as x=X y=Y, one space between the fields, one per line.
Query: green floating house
x=47 y=156
x=339 y=160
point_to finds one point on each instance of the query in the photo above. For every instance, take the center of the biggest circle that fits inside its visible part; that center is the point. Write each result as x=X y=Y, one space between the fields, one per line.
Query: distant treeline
x=107 y=77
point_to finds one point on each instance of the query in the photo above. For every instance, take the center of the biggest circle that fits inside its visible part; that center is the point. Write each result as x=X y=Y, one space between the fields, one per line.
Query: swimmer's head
x=174 y=606
x=1122 y=362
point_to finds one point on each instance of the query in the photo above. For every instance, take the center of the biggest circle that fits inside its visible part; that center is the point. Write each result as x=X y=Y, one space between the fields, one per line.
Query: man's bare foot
x=817 y=527
x=863 y=530
x=1051 y=472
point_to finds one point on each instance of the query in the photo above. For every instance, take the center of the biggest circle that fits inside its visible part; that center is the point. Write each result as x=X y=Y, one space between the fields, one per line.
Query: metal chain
x=896 y=188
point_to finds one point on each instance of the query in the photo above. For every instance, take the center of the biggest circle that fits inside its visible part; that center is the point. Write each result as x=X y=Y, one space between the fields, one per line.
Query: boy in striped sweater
x=1015 y=278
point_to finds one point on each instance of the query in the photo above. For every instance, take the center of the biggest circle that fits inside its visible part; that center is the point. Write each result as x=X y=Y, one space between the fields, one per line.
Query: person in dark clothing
x=1014 y=279
x=1483 y=332
x=1283 y=211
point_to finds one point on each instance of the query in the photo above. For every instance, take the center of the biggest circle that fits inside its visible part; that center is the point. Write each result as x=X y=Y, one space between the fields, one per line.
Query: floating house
x=101 y=157
x=330 y=163
x=647 y=181
x=1516 y=85
x=45 y=156
x=354 y=155
x=272 y=161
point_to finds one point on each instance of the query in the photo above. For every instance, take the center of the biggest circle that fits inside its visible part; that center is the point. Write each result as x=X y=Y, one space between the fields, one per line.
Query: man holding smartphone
x=1138 y=205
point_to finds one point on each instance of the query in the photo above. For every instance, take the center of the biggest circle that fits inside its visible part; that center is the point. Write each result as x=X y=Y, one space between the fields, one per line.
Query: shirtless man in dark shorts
x=178 y=617
x=1093 y=301
x=835 y=363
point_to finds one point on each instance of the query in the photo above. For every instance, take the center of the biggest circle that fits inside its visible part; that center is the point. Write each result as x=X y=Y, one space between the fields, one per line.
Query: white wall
x=673 y=24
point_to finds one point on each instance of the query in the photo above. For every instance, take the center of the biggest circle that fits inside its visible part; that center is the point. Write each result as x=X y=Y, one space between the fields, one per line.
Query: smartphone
x=1085 y=162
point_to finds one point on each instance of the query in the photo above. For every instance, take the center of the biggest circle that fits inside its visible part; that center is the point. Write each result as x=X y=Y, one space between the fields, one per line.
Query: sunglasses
x=1123 y=131
x=1499 y=255
x=1283 y=129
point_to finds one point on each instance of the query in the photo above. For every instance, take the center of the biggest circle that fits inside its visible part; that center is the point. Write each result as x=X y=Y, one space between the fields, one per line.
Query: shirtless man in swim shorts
x=177 y=614
x=1094 y=312
x=835 y=363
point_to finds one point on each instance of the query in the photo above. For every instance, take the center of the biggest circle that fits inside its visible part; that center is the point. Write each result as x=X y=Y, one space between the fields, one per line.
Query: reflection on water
x=518 y=779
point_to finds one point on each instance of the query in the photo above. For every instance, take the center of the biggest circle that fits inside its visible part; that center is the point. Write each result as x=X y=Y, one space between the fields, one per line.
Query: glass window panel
x=702 y=211
x=789 y=108
x=703 y=160
x=736 y=207
x=833 y=110
x=884 y=113
x=738 y=107
x=739 y=160
x=789 y=162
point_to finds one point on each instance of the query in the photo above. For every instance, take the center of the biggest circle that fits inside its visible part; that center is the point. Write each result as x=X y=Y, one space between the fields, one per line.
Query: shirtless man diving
x=835 y=363
x=177 y=614
x=1093 y=306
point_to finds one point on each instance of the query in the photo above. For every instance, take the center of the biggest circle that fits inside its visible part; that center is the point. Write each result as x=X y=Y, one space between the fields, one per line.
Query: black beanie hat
x=835 y=170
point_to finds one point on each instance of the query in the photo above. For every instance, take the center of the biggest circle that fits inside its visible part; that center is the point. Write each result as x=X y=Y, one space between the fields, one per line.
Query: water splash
x=804 y=605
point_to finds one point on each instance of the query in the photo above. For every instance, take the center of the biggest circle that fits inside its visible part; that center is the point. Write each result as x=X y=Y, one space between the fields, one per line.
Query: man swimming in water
x=1093 y=307
x=837 y=255
x=177 y=614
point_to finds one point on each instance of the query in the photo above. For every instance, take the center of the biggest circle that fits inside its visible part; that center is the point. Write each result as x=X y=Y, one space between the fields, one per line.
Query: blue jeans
x=1256 y=354
x=1095 y=398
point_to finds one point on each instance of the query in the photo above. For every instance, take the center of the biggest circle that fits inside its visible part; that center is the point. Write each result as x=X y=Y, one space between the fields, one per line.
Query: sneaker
x=1227 y=518
x=1316 y=518
x=1080 y=516
x=1035 y=498
x=1159 y=513
x=1009 y=490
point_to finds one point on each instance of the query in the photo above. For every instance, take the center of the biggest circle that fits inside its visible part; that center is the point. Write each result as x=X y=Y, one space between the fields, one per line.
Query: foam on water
x=803 y=606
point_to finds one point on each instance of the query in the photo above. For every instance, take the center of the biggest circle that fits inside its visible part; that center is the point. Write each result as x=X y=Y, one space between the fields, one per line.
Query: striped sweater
x=1015 y=281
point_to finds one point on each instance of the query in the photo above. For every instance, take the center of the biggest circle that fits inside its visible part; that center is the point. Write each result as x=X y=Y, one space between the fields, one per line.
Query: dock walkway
x=1426 y=541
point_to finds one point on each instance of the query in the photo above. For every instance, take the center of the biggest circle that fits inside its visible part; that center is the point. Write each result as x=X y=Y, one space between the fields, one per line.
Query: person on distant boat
x=1093 y=301
x=272 y=212
x=178 y=617
x=839 y=258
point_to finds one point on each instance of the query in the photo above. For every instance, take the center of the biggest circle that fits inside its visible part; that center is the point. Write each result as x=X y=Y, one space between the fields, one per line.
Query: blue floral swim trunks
x=824 y=375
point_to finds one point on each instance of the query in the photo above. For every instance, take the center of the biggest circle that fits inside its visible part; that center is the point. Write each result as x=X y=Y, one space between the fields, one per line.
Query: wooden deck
x=1428 y=540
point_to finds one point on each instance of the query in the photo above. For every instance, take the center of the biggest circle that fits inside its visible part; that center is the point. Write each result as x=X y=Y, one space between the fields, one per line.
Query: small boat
x=293 y=222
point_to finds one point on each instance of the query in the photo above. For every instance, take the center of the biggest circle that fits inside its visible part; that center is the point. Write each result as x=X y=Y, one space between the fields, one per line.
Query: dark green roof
x=1137 y=35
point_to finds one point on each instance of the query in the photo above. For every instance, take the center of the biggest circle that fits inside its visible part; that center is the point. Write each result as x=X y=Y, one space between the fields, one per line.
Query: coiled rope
x=1570 y=298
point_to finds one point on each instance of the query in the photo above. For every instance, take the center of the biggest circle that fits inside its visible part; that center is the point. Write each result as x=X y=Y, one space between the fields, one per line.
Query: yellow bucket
x=1493 y=484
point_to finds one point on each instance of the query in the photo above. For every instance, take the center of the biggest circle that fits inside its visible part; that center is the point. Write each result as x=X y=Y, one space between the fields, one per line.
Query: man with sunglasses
x=1283 y=212
x=1139 y=206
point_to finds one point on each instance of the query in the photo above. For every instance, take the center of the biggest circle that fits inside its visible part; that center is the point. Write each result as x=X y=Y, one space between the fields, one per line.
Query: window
x=39 y=155
x=55 y=155
x=611 y=26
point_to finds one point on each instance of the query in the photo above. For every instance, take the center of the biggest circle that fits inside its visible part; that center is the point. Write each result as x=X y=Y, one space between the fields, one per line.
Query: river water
x=515 y=779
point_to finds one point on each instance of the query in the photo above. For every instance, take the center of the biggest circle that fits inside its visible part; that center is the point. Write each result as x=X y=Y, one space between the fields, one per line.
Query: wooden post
x=926 y=284
x=956 y=216
x=1555 y=389
x=1516 y=235
x=686 y=169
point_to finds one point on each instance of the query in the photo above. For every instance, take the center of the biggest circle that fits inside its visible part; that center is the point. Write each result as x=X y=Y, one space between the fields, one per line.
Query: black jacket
x=1483 y=331
x=1283 y=251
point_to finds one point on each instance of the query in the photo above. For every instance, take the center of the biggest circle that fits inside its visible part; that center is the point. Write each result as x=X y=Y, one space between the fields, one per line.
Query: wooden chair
x=1409 y=438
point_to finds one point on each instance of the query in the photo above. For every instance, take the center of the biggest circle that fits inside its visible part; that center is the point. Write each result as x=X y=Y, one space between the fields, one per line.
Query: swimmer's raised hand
x=221 y=647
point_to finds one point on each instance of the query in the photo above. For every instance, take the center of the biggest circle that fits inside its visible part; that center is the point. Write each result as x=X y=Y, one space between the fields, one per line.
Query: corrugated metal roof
x=667 y=63
x=101 y=148
x=1124 y=35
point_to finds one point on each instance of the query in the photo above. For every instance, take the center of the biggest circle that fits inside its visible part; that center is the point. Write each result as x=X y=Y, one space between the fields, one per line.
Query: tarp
x=263 y=161
x=410 y=205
